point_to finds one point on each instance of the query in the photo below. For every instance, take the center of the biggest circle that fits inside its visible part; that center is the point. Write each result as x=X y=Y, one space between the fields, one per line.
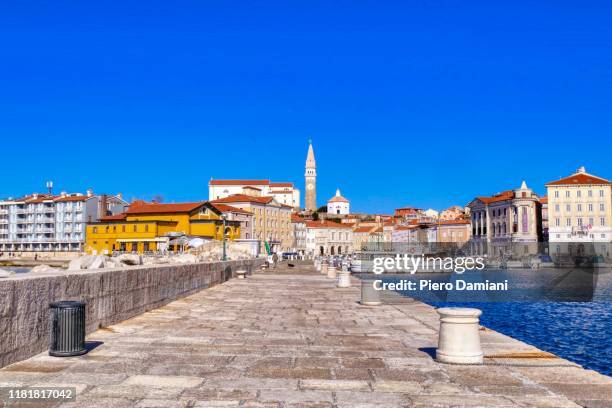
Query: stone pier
x=288 y=338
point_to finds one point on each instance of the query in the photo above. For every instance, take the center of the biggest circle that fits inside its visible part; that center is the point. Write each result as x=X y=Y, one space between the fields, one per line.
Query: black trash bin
x=67 y=325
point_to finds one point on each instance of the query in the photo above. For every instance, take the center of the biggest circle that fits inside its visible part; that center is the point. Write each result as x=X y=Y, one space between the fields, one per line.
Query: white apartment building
x=580 y=208
x=45 y=222
x=328 y=238
x=283 y=193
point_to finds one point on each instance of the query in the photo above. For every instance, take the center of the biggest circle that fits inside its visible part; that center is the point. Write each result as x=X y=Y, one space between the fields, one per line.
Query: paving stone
x=405 y=387
x=288 y=397
x=164 y=381
x=334 y=385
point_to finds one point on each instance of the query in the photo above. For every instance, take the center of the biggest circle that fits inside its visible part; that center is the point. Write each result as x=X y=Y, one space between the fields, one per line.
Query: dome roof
x=338 y=198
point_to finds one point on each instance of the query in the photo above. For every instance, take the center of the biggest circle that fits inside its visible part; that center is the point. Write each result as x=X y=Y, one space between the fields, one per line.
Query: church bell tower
x=311 y=180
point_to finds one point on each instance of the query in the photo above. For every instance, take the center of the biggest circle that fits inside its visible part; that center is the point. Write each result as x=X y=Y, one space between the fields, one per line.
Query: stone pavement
x=289 y=338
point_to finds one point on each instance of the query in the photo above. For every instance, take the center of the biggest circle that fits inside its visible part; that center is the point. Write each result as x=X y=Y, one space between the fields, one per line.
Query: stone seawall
x=112 y=295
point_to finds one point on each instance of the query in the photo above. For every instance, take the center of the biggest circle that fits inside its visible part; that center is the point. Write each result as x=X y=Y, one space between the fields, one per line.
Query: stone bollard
x=331 y=272
x=317 y=264
x=369 y=295
x=344 y=279
x=241 y=274
x=324 y=267
x=459 y=339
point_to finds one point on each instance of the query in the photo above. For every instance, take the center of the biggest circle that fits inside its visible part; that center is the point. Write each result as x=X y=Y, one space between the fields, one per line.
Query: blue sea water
x=580 y=331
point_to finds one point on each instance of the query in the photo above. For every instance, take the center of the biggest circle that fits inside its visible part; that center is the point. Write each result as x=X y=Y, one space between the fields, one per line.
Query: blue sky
x=424 y=103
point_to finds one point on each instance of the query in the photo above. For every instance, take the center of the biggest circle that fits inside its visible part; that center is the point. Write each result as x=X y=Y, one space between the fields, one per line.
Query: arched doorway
x=331 y=250
x=339 y=249
x=322 y=250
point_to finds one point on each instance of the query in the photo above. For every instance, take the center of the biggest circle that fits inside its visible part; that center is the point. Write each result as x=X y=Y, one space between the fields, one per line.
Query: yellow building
x=145 y=227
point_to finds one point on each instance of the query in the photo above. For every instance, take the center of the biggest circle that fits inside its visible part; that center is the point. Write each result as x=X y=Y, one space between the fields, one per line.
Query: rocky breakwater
x=115 y=289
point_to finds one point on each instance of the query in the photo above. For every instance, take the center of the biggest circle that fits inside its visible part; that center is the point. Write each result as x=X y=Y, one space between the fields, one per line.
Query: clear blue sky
x=424 y=103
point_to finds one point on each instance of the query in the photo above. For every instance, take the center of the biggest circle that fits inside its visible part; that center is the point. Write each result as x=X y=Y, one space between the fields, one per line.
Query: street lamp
x=224 y=251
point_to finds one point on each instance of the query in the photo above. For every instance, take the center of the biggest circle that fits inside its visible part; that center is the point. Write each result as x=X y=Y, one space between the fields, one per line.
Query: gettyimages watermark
x=412 y=264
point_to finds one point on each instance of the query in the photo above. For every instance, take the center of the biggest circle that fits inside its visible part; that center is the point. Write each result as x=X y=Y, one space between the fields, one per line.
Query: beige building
x=580 y=208
x=244 y=217
x=298 y=225
x=271 y=219
x=361 y=236
x=453 y=213
x=456 y=231
x=328 y=238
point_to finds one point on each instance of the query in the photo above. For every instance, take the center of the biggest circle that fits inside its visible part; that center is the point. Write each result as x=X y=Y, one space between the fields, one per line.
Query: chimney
x=103 y=206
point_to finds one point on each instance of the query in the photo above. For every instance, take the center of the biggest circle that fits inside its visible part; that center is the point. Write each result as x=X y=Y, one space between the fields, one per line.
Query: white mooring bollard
x=324 y=267
x=459 y=339
x=241 y=274
x=369 y=295
x=344 y=279
x=332 y=272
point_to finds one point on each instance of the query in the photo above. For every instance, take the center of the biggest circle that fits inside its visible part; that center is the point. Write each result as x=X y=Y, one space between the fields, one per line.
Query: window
x=557 y=207
x=123 y=228
x=135 y=228
x=568 y=222
x=601 y=207
x=568 y=207
x=147 y=228
x=95 y=230
x=578 y=193
x=557 y=194
x=590 y=207
x=591 y=221
x=580 y=222
x=590 y=193
x=557 y=222
x=602 y=221
x=567 y=193
x=601 y=193
x=579 y=207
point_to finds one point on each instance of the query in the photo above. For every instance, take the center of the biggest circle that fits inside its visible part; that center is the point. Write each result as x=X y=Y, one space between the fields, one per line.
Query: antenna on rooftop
x=50 y=187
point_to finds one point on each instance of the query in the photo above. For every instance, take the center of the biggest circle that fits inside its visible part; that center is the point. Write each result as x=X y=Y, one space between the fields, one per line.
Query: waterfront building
x=271 y=219
x=338 y=205
x=52 y=223
x=149 y=227
x=544 y=203
x=361 y=235
x=283 y=192
x=310 y=177
x=512 y=216
x=325 y=237
x=453 y=231
x=580 y=208
x=298 y=226
x=244 y=217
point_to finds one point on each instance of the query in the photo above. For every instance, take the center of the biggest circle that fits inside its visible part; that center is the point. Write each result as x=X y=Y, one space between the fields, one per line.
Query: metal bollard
x=459 y=339
x=369 y=295
x=344 y=279
x=67 y=325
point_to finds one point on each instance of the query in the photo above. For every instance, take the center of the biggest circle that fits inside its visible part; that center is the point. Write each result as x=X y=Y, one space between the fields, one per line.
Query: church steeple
x=311 y=179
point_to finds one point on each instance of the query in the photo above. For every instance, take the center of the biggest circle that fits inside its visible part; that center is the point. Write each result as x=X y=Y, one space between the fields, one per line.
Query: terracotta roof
x=579 y=178
x=116 y=217
x=281 y=184
x=326 y=224
x=544 y=199
x=239 y=198
x=362 y=229
x=504 y=195
x=238 y=182
x=153 y=208
x=454 y=222
x=229 y=208
x=405 y=227
x=297 y=218
x=252 y=188
x=70 y=199
x=338 y=199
